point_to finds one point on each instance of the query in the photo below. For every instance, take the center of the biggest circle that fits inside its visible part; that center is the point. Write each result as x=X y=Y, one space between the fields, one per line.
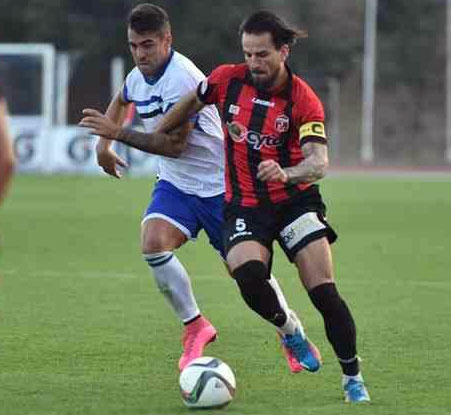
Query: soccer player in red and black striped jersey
x=276 y=149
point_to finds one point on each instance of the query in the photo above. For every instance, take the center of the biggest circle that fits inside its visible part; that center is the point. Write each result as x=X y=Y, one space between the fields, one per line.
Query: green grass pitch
x=83 y=329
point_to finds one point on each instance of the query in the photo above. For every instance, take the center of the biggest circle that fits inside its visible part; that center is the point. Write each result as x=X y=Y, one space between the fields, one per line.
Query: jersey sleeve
x=125 y=93
x=311 y=118
x=208 y=89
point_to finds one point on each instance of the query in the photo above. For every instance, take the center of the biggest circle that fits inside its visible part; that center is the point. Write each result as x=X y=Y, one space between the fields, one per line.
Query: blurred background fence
x=83 y=56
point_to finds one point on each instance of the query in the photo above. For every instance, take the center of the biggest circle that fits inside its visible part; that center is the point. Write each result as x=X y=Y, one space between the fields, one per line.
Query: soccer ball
x=207 y=382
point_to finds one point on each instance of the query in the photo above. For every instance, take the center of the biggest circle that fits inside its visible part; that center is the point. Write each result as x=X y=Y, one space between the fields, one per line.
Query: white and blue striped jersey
x=200 y=168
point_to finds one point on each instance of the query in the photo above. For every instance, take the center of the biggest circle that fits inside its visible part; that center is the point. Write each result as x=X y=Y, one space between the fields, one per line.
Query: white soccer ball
x=207 y=382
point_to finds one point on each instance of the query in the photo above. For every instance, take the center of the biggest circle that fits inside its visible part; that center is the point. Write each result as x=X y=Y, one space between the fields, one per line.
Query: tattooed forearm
x=155 y=143
x=313 y=167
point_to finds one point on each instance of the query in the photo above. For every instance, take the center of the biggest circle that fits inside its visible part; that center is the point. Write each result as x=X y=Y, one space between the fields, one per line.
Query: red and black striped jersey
x=258 y=126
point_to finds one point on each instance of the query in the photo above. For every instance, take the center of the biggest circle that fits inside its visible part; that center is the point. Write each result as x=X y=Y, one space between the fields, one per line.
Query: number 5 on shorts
x=240 y=225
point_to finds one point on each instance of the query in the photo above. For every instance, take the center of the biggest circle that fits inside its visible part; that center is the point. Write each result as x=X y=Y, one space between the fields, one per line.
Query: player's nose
x=140 y=53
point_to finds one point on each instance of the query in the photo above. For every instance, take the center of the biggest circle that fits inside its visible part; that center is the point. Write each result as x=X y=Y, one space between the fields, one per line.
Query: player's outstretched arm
x=312 y=168
x=169 y=144
x=180 y=112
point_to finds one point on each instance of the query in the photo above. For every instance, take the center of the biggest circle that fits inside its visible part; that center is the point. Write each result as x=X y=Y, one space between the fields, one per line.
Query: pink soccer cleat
x=195 y=337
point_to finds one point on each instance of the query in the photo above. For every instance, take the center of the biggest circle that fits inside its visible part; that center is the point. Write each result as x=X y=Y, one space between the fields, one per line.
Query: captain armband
x=313 y=132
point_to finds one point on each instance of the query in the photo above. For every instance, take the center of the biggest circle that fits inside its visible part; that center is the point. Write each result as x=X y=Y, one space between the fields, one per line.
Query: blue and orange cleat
x=303 y=351
x=293 y=364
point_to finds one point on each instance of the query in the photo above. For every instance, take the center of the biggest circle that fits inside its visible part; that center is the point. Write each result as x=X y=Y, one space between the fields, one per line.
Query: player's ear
x=284 y=52
x=168 y=37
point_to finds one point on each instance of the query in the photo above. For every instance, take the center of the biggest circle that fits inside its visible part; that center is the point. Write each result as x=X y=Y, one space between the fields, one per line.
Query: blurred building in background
x=75 y=55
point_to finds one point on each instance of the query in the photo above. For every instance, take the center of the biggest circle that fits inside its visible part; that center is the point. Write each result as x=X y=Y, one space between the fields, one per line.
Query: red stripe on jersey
x=276 y=189
x=240 y=151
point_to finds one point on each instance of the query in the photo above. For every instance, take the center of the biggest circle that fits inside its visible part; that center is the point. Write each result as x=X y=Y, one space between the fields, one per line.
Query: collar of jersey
x=152 y=80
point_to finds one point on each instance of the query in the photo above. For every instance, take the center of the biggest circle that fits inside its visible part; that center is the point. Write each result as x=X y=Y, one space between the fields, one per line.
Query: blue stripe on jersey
x=125 y=93
x=197 y=124
x=150 y=114
x=146 y=115
x=169 y=106
x=151 y=100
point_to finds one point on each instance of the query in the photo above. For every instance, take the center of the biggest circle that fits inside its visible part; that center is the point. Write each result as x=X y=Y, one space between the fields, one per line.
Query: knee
x=250 y=275
x=153 y=243
x=326 y=298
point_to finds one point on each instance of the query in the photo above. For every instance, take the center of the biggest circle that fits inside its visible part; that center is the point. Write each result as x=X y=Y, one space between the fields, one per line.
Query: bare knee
x=160 y=236
x=247 y=251
x=153 y=243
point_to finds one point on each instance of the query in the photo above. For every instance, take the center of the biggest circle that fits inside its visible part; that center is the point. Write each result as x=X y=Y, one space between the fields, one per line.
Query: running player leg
x=248 y=262
x=168 y=224
x=314 y=262
x=210 y=214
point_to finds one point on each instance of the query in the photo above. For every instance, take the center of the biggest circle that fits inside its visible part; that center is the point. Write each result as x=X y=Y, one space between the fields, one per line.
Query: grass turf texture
x=83 y=329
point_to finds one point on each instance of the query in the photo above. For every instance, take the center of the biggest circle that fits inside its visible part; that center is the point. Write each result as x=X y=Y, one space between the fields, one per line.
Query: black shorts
x=293 y=224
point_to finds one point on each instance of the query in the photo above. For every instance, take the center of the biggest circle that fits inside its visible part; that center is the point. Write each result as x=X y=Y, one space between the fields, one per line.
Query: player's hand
x=109 y=161
x=99 y=124
x=270 y=171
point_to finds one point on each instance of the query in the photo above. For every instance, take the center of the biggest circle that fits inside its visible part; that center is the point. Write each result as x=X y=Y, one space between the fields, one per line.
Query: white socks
x=174 y=283
x=347 y=378
x=292 y=322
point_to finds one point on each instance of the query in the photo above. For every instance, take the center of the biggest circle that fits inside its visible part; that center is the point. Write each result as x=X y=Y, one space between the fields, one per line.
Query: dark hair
x=267 y=22
x=148 y=17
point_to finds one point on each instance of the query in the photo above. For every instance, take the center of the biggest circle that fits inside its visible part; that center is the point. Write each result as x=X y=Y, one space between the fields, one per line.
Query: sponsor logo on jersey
x=234 y=109
x=239 y=133
x=263 y=102
x=282 y=123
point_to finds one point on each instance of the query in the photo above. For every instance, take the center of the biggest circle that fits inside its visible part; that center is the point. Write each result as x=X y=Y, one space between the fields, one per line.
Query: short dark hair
x=147 y=17
x=265 y=21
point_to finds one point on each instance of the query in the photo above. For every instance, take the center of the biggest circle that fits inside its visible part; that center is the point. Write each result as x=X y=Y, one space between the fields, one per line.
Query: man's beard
x=264 y=84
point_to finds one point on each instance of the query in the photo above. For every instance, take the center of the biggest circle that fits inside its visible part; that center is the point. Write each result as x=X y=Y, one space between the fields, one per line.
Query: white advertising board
x=67 y=149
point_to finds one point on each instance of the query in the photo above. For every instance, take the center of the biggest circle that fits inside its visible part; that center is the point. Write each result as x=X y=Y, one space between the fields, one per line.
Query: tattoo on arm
x=165 y=144
x=313 y=167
